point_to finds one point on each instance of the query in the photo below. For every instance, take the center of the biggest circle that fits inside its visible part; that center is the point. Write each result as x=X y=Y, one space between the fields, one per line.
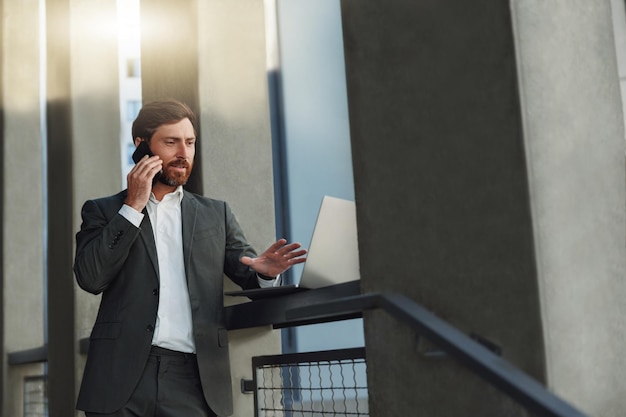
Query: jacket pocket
x=206 y=233
x=106 y=330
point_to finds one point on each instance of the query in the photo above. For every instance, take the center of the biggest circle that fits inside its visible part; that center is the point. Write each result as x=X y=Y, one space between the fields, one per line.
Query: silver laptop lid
x=333 y=255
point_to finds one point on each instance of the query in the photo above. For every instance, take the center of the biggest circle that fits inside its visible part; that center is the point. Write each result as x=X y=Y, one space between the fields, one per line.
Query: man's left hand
x=276 y=259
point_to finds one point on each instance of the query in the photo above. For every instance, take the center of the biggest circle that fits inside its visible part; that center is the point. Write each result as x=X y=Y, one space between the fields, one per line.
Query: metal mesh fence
x=316 y=384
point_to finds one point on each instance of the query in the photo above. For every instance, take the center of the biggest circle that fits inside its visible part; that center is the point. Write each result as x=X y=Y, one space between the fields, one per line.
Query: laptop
x=333 y=254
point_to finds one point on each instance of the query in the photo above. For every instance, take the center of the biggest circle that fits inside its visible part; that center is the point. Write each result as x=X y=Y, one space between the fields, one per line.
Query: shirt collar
x=177 y=194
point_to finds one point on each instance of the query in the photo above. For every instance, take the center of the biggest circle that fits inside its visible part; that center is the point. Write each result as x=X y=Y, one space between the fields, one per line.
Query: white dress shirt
x=174 y=327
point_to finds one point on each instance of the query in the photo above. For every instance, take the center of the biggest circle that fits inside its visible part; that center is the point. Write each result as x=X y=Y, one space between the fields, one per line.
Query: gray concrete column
x=95 y=126
x=237 y=147
x=60 y=279
x=212 y=54
x=487 y=146
x=22 y=202
x=574 y=140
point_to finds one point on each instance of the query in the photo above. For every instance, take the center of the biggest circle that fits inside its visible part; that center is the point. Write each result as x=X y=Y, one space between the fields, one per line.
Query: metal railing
x=314 y=384
x=340 y=303
x=484 y=362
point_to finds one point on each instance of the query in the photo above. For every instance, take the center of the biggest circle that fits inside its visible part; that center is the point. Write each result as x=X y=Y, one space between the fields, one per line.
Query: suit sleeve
x=102 y=246
x=236 y=247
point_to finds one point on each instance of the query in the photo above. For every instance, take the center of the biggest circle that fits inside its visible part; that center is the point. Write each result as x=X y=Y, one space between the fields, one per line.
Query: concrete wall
x=236 y=147
x=60 y=286
x=95 y=127
x=574 y=134
x=619 y=29
x=23 y=239
x=488 y=156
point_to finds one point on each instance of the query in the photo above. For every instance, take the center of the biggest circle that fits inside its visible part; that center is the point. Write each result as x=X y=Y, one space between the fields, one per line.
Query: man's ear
x=137 y=141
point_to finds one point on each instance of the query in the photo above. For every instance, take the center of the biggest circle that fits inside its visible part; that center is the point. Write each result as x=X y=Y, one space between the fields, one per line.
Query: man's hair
x=161 y=112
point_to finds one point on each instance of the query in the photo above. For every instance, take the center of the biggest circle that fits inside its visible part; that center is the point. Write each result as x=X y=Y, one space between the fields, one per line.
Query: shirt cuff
x=265 y=283
x=131 y=215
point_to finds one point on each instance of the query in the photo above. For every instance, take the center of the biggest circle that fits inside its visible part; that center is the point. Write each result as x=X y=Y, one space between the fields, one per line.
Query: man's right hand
x=139 y=181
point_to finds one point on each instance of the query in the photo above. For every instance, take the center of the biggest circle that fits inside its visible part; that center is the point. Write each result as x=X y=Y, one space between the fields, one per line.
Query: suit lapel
x=189 y=211
x=147 y=235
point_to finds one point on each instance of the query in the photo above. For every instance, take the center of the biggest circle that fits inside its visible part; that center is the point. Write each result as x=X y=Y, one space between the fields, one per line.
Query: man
x=157 y=253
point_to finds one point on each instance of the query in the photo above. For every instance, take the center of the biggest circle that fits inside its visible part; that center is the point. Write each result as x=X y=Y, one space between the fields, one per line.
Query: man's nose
x=183 y=152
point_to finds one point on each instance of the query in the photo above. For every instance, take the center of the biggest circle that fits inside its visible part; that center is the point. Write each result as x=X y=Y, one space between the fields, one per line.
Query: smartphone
x=141 y=150
x=144 y=149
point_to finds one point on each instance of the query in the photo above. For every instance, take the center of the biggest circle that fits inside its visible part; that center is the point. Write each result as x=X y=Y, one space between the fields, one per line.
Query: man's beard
x=176 y=178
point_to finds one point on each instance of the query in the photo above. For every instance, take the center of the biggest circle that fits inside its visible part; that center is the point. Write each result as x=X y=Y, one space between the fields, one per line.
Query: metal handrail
x=324 y=305
x=501 y=374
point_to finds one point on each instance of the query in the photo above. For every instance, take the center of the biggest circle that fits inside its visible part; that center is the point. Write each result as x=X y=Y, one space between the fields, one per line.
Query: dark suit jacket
x=115 y=258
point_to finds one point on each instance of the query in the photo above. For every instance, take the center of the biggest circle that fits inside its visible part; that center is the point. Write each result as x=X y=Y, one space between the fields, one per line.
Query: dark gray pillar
x=443 y=191
x=61 y=340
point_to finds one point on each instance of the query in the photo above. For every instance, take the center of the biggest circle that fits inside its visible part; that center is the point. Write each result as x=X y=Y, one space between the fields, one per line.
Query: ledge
x=23 y=357
x=273 y=311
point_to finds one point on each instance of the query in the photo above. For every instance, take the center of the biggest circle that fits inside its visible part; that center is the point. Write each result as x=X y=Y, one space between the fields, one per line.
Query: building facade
x=487 y=146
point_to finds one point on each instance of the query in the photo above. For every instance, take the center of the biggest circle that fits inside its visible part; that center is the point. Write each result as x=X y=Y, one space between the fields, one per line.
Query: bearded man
x=157 y=254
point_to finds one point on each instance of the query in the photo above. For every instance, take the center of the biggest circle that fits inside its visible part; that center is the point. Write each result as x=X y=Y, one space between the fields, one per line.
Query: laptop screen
x=333 y=255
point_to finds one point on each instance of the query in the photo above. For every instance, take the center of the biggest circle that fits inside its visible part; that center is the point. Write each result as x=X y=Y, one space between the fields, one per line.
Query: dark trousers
x=169 y=387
